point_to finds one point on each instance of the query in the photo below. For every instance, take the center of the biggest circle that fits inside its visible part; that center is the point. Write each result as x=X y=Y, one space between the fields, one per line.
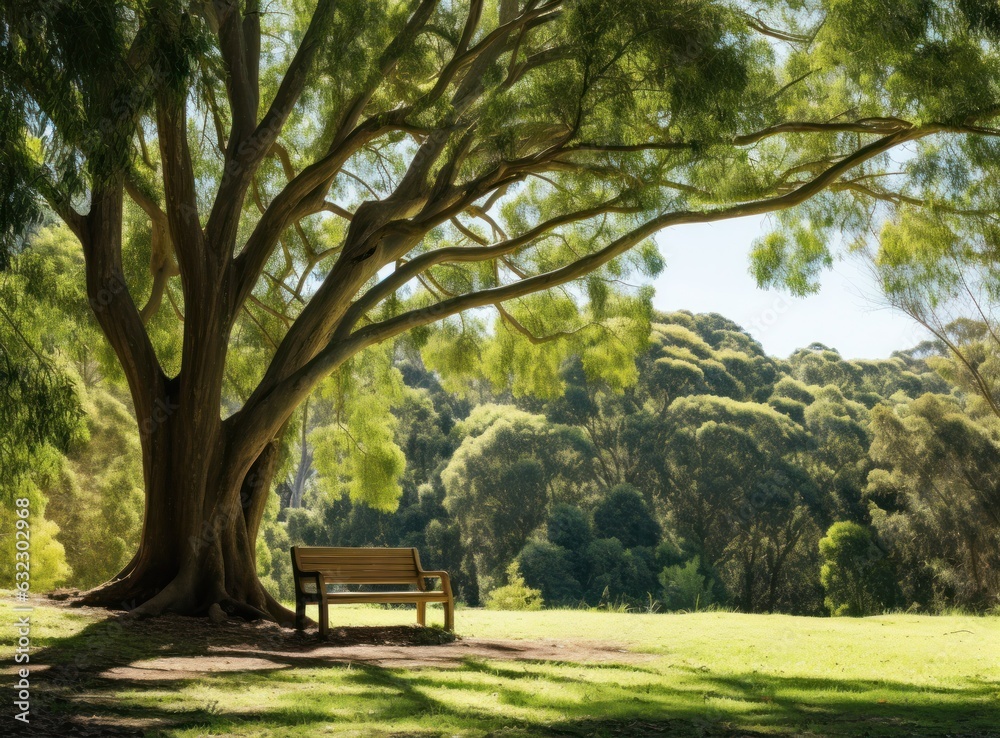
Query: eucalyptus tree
x=928 y=225
x=327 y=176
x=501 y=480
x=936 y=496
x=946 y=279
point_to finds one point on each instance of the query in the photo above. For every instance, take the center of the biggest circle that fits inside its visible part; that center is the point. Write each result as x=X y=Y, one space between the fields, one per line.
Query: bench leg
x=324 y=619
x=449 y=615
x=421 y=613
x=300 y=614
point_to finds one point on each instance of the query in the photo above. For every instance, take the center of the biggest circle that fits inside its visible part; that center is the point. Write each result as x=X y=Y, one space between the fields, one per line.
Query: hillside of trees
x=720 y=477
x=710 y=474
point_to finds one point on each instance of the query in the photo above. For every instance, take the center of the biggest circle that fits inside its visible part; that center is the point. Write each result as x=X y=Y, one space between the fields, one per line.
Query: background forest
x=706 y=474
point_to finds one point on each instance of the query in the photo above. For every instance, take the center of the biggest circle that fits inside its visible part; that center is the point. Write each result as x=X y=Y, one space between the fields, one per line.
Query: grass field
x=708 y=674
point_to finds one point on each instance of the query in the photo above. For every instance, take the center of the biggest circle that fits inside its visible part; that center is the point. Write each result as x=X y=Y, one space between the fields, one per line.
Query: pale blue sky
x=707 y=272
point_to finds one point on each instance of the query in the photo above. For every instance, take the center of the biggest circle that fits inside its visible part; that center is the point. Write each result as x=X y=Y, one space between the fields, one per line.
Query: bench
x=316 y=567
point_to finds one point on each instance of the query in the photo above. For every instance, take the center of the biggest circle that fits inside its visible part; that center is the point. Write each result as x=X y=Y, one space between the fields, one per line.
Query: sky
x=707 y=271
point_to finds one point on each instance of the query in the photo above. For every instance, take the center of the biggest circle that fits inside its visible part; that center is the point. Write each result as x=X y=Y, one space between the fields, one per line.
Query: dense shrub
x=551 y=569
x=568 y=527
x=515 y=595
x=617 y=573
x=624 y=515
x=685 y=587
x=855 y=572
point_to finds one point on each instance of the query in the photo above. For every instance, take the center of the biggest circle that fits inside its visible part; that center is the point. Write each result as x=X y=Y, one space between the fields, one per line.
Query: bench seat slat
x=347 y=561
x=363 y=560
x=400 y=597
x=397 y=596
x=334 y=574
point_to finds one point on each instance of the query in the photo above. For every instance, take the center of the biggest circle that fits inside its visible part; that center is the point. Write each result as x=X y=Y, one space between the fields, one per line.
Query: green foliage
x=685 y=587
x=41 y=416
x=48 y=555
x=856 y=575
x=935 y=500
x=934 y=62
x=39 y=402
x=795 y=259
x=743 y=483
x=740 y=499
x=515 y=595
x=443 y=549
x=501 y=478
x=552 y=570
x=624 y=515
x=96 y=497
x=273 y=554
x=618 y=574
x=568 y=527
x=357 y=451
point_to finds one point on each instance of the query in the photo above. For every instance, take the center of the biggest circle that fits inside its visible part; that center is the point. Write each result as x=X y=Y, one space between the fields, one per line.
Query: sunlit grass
x=707 y=673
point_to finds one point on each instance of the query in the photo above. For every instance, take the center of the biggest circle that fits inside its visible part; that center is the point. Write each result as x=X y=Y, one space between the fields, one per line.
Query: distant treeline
x=722 y=477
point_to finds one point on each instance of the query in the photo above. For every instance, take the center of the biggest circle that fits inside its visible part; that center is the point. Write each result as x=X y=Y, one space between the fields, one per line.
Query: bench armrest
x=305 y=575
x=442 y=575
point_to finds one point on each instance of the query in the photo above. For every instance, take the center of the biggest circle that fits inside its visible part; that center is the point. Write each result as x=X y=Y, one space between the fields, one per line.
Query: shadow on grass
x=273 y=682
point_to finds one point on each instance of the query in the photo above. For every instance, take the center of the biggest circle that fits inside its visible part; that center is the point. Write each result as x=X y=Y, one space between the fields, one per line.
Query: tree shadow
x=93 y=683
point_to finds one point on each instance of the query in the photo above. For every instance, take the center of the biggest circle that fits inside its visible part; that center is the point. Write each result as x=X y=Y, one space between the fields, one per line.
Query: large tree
x=322 y=177
x=936 y=497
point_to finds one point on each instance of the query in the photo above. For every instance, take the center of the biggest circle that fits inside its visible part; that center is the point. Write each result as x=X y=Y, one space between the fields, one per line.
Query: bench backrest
x=359 y=565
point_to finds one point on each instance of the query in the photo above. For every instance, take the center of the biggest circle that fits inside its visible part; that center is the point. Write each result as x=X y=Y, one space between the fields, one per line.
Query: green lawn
x=708 y=674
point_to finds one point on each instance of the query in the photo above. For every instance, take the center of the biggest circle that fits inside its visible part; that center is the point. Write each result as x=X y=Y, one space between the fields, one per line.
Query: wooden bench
x=315 y=567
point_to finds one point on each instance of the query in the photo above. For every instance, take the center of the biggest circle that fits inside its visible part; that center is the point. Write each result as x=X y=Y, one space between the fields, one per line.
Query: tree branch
x=269 y=409
x=112 y=303
x=250 y=142
x=244 y=96
x=532 y=338
x=458 y=254
x=877 y=126
x=161 y=258
x=179 y=185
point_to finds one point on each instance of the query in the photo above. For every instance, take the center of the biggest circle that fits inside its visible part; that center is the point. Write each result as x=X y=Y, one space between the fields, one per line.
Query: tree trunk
x=201 y=523
x=206 y=484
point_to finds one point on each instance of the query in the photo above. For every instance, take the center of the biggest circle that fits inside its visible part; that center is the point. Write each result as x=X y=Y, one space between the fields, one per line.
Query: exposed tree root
x=241 y=609
x=141 y=601
x=118 y=594
x=279 y=613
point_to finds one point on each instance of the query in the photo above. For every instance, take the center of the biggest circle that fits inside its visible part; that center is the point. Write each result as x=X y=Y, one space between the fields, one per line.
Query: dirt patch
x=247 y=658
x=189 y=648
